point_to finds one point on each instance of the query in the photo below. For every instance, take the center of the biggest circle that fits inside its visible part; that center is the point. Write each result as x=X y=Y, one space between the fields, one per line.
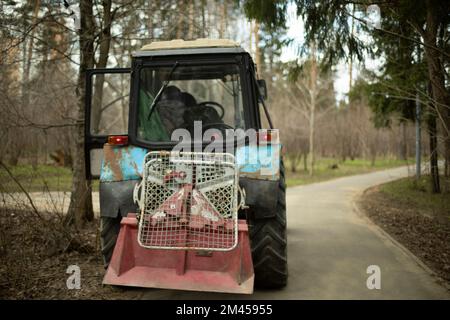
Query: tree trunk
x=80 y=207
x=257 y=49
x=436 y=72
x=14 y=155
x=305 y=161
x=447 y=166
x=250 y=34
x=203 y=19
x=191 y=20
x=105 y=43
x=311 y=143
x=151 y=29
x=350 y=71
x=403 y=142
x=33 y=139
x=441 y=98
x=434 y=169
x=223 y=20
x=312 y=107
x=293 y=163
x=180 y=26
x=373 y=157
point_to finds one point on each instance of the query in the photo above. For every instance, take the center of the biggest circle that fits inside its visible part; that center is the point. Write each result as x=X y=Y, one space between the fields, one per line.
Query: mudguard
x=120 y=171
x=261 y=196
x=259 y=172
x=116 y=198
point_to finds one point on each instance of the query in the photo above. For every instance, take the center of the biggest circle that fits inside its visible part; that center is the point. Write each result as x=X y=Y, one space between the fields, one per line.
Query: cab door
x=107 y=104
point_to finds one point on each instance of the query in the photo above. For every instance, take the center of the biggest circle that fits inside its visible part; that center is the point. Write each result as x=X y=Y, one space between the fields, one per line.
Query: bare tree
x=311 y=88
x=80 y=208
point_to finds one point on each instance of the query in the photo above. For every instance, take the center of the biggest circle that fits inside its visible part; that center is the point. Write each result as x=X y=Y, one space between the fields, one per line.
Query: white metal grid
x=188 y=200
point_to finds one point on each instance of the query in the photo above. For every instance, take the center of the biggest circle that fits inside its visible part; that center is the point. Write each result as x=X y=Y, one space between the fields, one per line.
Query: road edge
x=407 y=167
x=385 y=236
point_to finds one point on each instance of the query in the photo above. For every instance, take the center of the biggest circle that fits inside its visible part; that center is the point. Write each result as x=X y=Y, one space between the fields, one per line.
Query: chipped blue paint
x=129 y=160
x=259 y=161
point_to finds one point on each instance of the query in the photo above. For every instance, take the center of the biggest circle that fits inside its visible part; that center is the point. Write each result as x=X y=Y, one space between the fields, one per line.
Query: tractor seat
x=171 y=108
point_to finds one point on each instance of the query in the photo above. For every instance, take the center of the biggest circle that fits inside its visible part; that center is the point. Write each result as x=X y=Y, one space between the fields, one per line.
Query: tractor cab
x=171 y=85
x=180 y=181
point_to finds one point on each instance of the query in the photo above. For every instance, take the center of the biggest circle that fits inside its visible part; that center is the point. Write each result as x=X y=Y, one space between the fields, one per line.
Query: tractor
x=191 y=178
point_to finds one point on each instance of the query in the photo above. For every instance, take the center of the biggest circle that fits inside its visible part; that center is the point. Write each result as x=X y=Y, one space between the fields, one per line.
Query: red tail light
x=267 y=136
x=264 y=136
x=118 y=140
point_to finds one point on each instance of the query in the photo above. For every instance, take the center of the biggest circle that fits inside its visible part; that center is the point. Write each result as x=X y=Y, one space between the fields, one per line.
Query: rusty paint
x=112 y=156
x=122 y=163
x=135 y=167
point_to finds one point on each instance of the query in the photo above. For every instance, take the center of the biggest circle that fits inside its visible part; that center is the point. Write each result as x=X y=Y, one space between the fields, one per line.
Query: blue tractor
x=192 y=187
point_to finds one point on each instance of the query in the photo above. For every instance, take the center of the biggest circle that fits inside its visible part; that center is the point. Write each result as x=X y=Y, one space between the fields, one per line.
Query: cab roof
x=180 y=47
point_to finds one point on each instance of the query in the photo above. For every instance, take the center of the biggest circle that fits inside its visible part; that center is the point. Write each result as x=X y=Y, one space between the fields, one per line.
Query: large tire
x=269 y=244
x=109 y=230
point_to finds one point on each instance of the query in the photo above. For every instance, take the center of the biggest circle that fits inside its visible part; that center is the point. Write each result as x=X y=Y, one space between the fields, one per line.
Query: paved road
x=331 y=245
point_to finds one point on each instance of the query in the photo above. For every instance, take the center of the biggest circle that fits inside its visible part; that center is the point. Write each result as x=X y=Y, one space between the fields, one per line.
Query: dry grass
x=36 y=253
x=415 y=217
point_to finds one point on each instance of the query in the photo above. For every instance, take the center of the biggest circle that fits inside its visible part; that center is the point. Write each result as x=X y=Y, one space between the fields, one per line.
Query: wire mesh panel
x=189 y=201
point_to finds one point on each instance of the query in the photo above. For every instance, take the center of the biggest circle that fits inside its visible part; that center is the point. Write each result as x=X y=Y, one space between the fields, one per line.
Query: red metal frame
x=215 y=271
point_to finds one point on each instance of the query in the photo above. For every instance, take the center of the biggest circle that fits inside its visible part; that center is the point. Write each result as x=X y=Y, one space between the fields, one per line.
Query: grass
x=53 y=178
x=417 y=194
x=39 y=179
x=323 y=169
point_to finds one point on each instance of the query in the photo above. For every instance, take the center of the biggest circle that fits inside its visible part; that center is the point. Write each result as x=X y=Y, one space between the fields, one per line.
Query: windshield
x=211 y=94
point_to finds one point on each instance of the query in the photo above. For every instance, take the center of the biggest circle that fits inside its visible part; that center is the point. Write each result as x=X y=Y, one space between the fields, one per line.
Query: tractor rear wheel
x=109 y=230
x=269 y=244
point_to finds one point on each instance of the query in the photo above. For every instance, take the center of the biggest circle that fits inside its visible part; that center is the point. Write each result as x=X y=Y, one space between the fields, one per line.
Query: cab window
x=174 y=97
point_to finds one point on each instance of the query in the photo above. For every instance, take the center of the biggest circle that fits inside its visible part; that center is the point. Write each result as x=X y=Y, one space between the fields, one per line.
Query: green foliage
x=327 y=24
x=417 y=194
x=295 y=70
x=272 y=13
x=393 y=89
x=383 y=101
x=272 y=42
x=302 y=69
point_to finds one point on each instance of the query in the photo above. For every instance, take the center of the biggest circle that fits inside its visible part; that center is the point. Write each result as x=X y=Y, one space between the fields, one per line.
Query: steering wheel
x=216 y=125
x=212 y=105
